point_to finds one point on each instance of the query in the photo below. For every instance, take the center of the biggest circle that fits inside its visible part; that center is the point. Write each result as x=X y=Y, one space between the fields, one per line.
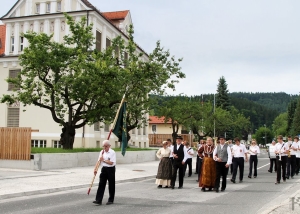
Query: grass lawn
x=58 y=150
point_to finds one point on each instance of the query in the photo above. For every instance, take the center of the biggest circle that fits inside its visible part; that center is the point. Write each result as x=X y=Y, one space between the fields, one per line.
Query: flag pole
x=98 y=162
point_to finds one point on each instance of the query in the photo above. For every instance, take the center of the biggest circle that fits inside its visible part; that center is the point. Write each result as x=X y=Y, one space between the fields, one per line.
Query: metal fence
x=15 y=143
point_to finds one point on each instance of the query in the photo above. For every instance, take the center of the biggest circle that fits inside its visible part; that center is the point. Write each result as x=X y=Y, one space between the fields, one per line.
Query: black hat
x=179 y=137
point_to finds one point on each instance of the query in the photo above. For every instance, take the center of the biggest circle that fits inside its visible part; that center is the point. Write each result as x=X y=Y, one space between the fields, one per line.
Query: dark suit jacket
x=179 y=153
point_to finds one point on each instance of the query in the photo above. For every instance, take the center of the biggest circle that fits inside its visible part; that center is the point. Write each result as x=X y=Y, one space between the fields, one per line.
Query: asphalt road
x=251 y=196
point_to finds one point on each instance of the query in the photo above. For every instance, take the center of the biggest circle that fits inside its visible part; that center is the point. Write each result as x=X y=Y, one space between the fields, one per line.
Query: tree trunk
x=67 y=137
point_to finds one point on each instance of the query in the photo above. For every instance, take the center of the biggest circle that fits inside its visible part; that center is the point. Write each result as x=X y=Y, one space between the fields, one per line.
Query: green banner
x=120 y=129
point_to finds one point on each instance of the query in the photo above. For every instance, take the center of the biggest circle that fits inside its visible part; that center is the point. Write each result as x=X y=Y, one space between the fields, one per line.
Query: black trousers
x=281 y=165
x=221 y=171
x=253 y=161
x=238 y=163
x=107 y=174
x=273 y=162
x=188 y=162
x=288 y=167
x=291 y=166
x=297 y=166
x=177 y=166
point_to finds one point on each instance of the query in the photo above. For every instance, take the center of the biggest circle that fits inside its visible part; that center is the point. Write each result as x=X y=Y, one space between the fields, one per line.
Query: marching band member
x=272 y=157
x=189 y=152
x=239 y=152
x=293 y=152
x=253 y=151
x=281 y=150
x=296 y=139
x=288 y=163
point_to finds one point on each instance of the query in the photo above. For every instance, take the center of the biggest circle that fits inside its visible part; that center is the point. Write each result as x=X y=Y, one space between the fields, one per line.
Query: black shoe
x=217 y=190
x=109 y=203
x=189 y=175
x=292 y=177
x=166 y=187
x=210 y=189
x=97 y=202
x=196 y=172
x=159 y=186
x=270 y=171
x=179 y=187
x=255 y=176
x=241 y=181
x=277 y=182
x=284 y=180
x=203 y=189
x=172 y=187
x=287 y=177
x=233 y=181
x=249 y=176
x=222 y=190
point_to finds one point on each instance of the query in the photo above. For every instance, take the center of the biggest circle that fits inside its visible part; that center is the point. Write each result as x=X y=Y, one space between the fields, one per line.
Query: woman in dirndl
x=164 y=172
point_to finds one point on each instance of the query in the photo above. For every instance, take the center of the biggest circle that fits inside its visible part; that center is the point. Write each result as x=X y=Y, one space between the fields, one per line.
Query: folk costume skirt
x=208 y=173
x=164 y=172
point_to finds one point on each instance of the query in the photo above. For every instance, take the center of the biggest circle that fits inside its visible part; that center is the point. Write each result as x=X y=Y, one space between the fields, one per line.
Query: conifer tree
x=296 y=120
x=290 y=114
x=222 y=98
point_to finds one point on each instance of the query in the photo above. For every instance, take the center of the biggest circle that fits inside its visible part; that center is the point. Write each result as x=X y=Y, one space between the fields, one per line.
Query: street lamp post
x=265 y=134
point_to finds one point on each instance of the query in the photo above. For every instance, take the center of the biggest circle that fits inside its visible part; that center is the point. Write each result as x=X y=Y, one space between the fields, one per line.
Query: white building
x=47 y=16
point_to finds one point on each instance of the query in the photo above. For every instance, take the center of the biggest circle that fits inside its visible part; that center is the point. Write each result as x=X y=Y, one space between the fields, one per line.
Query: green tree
x=290 y=115
x=279 y=125
x=264 y=135
x=79 y=86
x=296 y=120
x=222 y=98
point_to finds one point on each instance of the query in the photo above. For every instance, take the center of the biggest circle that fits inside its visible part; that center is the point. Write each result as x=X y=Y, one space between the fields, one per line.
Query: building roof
x=158 y=120
x=116 y=15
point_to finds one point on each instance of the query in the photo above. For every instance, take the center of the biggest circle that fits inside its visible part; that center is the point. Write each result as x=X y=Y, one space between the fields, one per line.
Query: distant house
x=2 y=39
x=158 y=125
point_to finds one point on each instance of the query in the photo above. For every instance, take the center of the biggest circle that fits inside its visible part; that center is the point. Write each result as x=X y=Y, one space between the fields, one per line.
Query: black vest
x=179 y=153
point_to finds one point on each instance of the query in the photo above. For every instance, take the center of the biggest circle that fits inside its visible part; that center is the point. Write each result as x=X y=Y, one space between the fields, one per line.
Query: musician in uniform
x=272 y=157
x=281 y=150
x=289 y=164
x=189 y=154
x=239 y=156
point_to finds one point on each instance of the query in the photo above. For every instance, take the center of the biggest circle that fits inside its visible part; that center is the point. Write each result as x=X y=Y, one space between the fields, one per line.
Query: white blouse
x=254 y=150
x=163 y=153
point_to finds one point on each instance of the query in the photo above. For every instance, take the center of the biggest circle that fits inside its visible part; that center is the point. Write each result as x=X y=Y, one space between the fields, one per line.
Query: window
x=48 y=7
x=108 y=43
x=37 y=8
x=39 y=143
x=13 y=74
x=98 y=41
x=56 y=144
x=59 y=6
x=97 y=126
x=13 y=116
x=21 y=43
x=144 y=130
x=12 y=44
x=133 y=131
x=97 y=144
x=154 y=129
x=139 y=131
x=106 y=127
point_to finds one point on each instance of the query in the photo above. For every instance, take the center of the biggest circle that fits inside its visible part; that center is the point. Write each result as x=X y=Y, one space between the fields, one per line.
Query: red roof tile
x=116 y=15
x=158 y=120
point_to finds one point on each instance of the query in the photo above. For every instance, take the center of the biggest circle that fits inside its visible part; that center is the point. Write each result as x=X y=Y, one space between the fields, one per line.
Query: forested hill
x=277 y=101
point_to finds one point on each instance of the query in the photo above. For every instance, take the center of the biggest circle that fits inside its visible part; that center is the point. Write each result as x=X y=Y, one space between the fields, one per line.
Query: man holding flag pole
x=107 y=157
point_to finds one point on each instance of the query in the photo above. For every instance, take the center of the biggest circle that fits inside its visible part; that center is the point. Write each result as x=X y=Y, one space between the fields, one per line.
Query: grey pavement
x=17 y=183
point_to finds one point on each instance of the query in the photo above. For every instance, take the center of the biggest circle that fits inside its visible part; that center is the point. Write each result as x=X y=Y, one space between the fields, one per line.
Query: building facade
x=47 y=16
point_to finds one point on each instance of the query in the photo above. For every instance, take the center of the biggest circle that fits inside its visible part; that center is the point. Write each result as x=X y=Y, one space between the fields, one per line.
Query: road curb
x=59 y=189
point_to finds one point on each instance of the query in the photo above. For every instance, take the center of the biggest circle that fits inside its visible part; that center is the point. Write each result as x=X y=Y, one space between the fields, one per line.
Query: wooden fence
x=15 y=143
x=157 y=139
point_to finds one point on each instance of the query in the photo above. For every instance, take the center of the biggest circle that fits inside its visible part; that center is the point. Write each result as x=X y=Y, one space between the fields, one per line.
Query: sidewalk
x=17 y=183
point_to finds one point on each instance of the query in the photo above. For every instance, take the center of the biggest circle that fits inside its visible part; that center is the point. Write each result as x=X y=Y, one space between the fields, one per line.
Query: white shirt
x=298 y=151
x=254 y=150
x=163 y=153
x=229 y=160
x=281 y=148
x=171 y=147
x=294 y=146
x=110 y=155
x=272 y=151
x=239 y=151
x=191 y=151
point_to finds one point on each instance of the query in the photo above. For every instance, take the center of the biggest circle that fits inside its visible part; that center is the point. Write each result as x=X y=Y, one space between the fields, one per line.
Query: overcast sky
x=254 y=44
